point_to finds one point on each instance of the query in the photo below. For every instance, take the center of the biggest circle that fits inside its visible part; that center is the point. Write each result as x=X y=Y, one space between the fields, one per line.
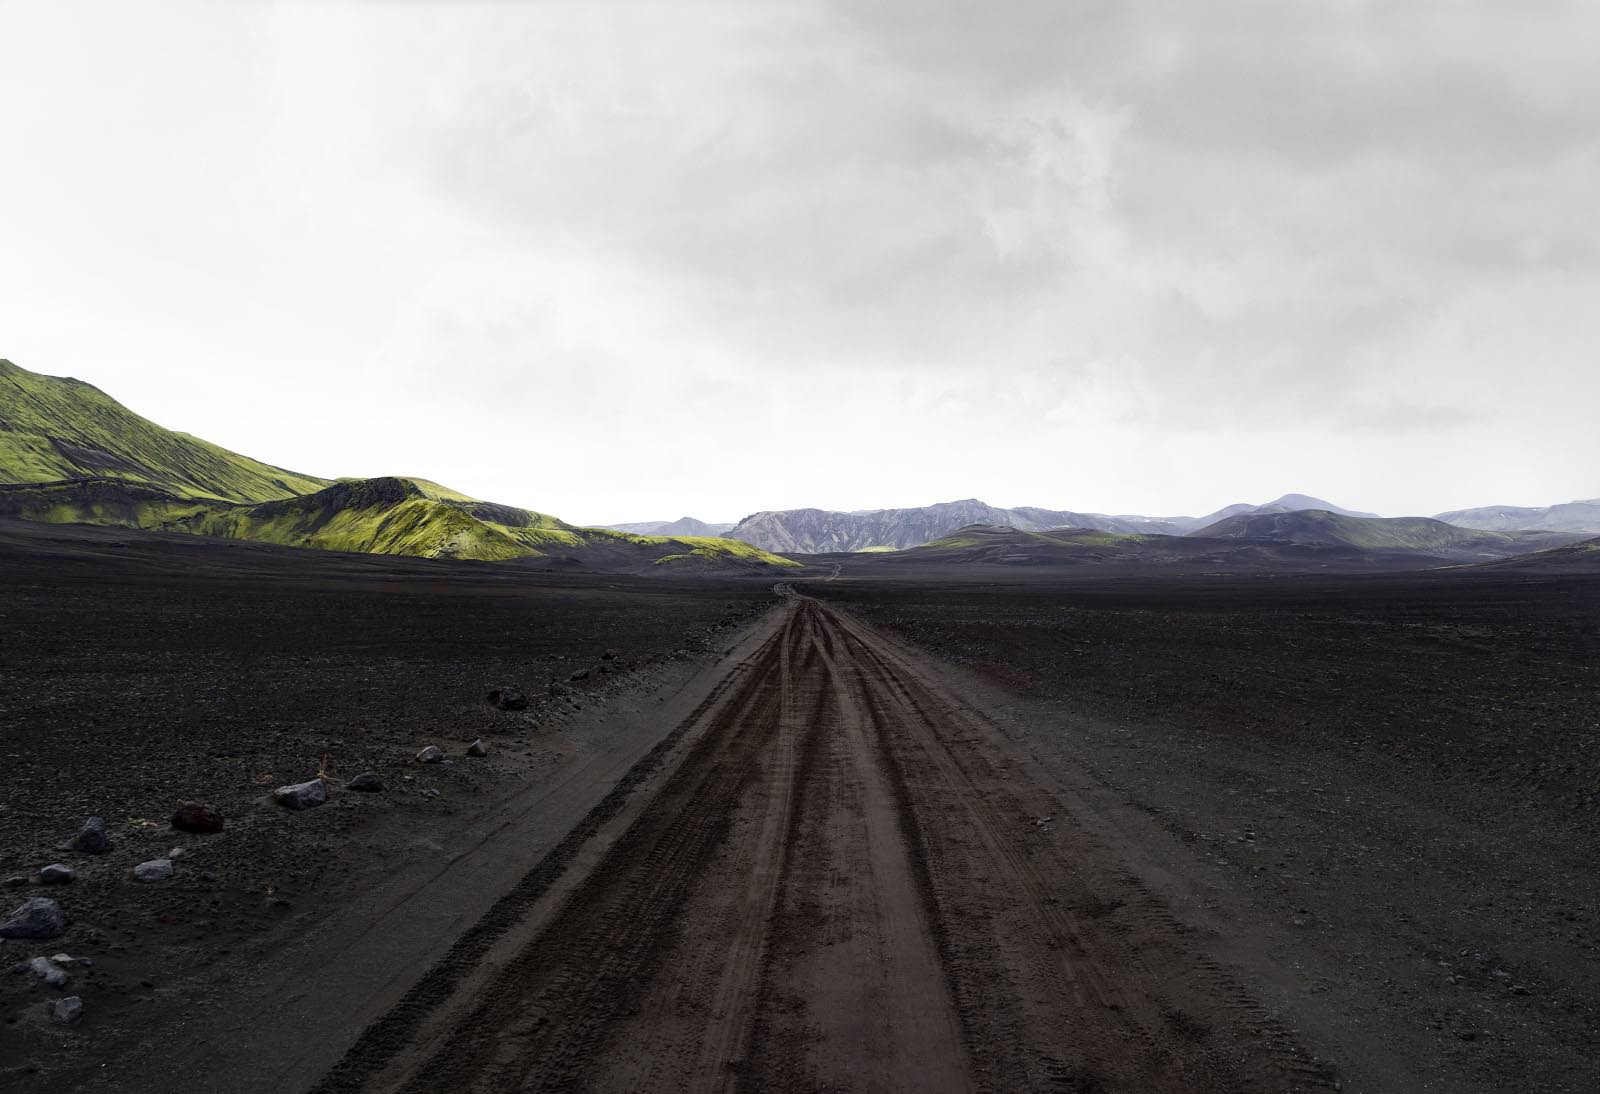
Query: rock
x=67 y=1010
x=609 y=655
x=68 y=959
x=508 y=699
x=17 y=881
x=47 y=970
x=581 y=674
x=38 y=917
x=56 y=874
x=478 y=748
x=558 y=690
x=367 y=782
x=157 y=869
x=306 y=795
x=92 y=840
x=431 y=792
x=197 y=817
x=433 y=754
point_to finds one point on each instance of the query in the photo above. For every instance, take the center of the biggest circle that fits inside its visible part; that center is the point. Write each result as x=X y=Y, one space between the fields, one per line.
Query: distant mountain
x=821 y=531
x=1315 y=527
x=54 y=428
x=1572 y=516
x=1244 y=543
x=824 y=531
x=1289 y=503
x=683 y=526
x=1582 y=557
x=1114 y=552
x=69 y=453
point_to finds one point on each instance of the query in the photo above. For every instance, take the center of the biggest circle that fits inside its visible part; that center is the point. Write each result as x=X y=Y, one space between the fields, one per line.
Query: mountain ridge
x=1571 y=516
x=69 y=453
x=57 y=427
x=683 y=526
x=821 y=531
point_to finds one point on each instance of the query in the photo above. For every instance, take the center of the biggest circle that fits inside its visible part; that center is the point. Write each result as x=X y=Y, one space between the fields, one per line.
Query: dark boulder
x=367 y=783
x=508 y=699
x=93 y=839
x=37 y=917
x=197 y=817
x=306 y=795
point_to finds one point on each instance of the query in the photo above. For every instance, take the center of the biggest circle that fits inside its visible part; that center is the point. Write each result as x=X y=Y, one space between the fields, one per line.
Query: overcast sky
x=627 y=262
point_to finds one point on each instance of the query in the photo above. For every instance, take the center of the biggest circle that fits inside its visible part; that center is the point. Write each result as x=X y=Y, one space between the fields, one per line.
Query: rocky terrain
x=144 y=672
x=1387 y=784
x=373 y=823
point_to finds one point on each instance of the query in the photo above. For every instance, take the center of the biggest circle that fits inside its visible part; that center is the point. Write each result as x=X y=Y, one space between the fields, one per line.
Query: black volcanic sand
x=1386 y=788
x=1374 y=799
x=139 y=671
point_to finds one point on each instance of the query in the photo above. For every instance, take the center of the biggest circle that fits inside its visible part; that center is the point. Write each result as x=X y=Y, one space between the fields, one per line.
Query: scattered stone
x=431 y=792
x=68 y=959
x=508 y=699
x=306 y=795
x=176 y=853
x=197 y=817
x=157 y=869
x=56 y=874
x=47 y=970
x=433 y=754
x=67 y=1010
x=367 y=782
x=609 y=655
x=581 y=674
x=16 y=881
x=38 y=917
x=478 y=748
x=92 y=840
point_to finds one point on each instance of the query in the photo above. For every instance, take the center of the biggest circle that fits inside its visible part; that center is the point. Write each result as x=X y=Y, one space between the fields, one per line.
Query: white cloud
x=629 y=261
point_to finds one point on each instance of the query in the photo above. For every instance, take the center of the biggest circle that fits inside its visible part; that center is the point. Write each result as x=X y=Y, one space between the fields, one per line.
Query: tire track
x=836 y=883
x=402 y=1026
x=1129 y=1025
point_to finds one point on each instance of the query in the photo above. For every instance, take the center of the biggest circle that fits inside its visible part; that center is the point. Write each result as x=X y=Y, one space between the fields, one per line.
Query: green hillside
x=54 y=428
x=390 y=516
x=70 y=454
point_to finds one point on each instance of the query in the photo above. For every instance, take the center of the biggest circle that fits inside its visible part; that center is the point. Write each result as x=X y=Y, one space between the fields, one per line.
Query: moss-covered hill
x=389 y=516
x=54 y=428
x=70 y=454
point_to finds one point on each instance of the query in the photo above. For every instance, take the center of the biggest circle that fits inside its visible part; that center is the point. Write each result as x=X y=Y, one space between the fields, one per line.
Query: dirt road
x=835 y=874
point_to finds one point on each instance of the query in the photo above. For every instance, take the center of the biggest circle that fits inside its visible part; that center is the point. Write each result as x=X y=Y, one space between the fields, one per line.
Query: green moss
x=72 y=454
x=389 y=516
x=54 y=428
